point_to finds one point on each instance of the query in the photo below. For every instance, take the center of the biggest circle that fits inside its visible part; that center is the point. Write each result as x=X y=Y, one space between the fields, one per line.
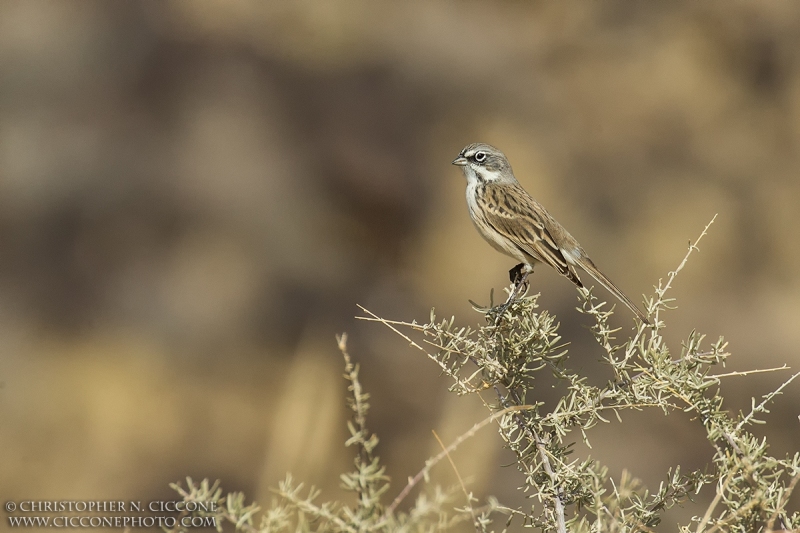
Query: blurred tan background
x=195 y=195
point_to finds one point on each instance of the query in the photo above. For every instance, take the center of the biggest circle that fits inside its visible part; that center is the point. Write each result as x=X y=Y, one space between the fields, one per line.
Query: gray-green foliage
x=504 y=361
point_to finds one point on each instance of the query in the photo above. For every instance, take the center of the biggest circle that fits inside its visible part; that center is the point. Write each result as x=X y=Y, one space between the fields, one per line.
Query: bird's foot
x=519 y=277
x=516 y=273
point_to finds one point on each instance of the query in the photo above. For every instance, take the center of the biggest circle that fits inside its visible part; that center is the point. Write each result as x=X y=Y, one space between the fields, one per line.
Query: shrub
x=505 y=356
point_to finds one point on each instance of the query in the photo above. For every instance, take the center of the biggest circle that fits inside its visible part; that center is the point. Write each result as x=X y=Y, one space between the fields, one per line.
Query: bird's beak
x=460 y=161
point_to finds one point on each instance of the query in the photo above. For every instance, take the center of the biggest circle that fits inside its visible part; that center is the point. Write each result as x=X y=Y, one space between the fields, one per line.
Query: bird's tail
x=587 y=265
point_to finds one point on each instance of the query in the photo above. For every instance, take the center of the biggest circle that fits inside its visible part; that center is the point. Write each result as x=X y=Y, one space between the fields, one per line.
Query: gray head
x=484 y=163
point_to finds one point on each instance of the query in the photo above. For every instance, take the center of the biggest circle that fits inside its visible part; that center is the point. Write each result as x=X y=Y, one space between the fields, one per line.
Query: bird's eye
x=480 y=157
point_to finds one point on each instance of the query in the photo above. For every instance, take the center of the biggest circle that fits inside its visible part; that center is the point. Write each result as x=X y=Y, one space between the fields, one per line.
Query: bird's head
x=484 y=163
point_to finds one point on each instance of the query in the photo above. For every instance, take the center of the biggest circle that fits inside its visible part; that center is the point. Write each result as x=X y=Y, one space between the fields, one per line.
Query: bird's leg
x=519 y=277
x=515 y=273
x=520 y=283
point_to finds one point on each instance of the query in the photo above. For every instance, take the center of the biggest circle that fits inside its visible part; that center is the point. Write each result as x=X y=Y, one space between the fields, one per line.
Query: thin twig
x=692 y=247
x=756 y=500
x=786 y=496
x=716 y=500
x=460 y=481
x=359 y=409
x=558 y=503
x=748 y=372
x=390 y=324
x=767 y=398
x=412 y=482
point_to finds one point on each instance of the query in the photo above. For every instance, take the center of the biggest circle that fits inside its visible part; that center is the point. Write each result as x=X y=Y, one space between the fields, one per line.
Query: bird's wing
x=515 y=215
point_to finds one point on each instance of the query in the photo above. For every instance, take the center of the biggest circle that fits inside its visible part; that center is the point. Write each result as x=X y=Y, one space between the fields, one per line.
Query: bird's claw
x=516 y=273
x=519 y=277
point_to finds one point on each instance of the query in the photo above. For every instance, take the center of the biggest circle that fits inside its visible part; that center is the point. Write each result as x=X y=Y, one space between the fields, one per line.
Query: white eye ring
x=480 y=157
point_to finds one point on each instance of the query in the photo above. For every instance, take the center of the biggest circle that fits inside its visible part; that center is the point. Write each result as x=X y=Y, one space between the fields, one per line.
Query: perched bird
x=517 y=225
